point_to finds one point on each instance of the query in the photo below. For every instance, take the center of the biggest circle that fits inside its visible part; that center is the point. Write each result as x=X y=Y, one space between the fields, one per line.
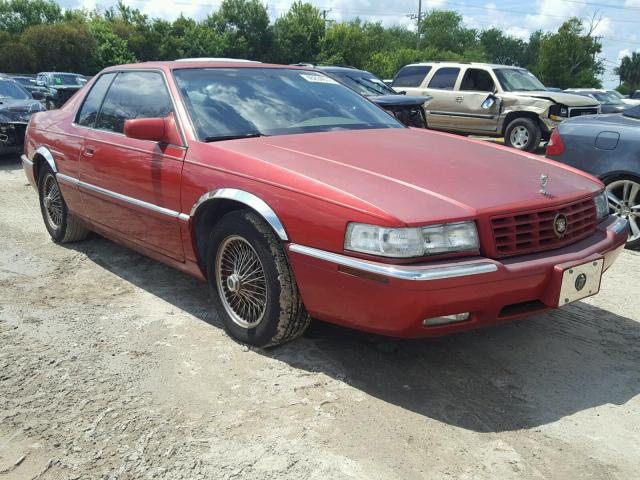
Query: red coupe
x=294 y=197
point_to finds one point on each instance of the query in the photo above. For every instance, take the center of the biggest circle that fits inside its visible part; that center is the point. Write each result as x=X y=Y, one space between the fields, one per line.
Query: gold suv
x=491 y=100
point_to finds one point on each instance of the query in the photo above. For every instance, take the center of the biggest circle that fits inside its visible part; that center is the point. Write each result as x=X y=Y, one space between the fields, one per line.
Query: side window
x=476 y=80
x=411 y=76
x=134 y=95
x=91 y=106
x=444 y=78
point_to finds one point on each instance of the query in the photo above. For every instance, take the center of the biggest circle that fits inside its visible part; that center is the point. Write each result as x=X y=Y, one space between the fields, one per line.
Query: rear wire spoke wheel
x=624 y=201
x=252 y=285
x=61 y=224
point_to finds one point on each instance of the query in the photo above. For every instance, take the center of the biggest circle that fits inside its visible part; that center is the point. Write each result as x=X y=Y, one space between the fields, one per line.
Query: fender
x=48 y=156
x=249 y=199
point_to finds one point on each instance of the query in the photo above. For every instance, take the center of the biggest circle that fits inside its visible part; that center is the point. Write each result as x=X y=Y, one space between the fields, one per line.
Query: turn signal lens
x=602 y=205
x=555 y=145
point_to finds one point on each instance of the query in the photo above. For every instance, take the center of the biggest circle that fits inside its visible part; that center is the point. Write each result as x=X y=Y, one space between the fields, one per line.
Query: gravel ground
x=112 y=366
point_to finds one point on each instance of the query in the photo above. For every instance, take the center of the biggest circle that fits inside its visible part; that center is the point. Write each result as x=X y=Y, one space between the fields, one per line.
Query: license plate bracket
x=580 y=281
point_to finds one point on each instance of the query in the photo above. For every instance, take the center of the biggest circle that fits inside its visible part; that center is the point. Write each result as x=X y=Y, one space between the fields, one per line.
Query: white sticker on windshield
x=318 y=78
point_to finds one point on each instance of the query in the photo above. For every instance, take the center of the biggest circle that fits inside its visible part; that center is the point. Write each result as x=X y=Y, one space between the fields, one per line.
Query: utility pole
x=419 y=18
x=324 y=15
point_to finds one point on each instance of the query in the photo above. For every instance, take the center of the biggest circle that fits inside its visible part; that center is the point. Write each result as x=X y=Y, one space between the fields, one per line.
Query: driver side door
x=477 y=85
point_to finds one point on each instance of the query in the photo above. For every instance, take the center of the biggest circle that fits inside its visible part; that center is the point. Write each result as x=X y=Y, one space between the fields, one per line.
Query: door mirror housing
x=161 y=130
x=489 y=102
x=37 y=95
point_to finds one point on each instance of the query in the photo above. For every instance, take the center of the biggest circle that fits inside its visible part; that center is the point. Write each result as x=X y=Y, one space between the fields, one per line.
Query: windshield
x=10 y=89
x=632 y=112
x=518 y=80
x=68 y=79
x=25 y=82
x=616 y=94
x=242 y=102
x=364 y=84
x=606 y=97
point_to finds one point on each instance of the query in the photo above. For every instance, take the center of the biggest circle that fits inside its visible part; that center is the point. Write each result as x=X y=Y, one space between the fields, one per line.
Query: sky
x=619 y=23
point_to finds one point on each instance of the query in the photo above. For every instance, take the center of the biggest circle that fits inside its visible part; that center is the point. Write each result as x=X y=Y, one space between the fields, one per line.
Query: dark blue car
x=607 y=146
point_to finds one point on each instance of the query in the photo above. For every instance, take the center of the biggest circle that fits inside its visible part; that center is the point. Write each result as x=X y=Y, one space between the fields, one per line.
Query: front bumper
x=395 y=299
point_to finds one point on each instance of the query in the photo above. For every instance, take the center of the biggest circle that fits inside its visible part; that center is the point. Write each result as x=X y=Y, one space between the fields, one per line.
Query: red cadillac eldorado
x=294 y=198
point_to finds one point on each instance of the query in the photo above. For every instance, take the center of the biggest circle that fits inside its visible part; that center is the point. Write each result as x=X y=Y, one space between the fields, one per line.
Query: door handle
x=89 y=151
x=459 y=99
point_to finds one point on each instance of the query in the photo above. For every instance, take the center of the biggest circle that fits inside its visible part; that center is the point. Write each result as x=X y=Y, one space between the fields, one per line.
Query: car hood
x=609 y=121
x=568 y=99
x=18 y=111
x=413 y=176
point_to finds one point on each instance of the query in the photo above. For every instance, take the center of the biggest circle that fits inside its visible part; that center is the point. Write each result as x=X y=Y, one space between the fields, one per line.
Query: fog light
x=458 y=317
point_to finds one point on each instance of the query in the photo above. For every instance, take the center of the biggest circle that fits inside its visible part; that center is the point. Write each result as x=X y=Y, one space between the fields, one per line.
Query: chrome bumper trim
x=26 y=160
x=619 y=226
x=134 y=201
x=402 y=272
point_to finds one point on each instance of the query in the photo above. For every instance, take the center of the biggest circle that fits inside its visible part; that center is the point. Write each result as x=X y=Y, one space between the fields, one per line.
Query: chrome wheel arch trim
x=402 y=272
x=48 y=156
x=248 y=199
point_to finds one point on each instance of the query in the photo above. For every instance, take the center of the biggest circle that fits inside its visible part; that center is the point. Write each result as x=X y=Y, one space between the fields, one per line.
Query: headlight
x=558 y=112
x=602 y=205
x=412 y=242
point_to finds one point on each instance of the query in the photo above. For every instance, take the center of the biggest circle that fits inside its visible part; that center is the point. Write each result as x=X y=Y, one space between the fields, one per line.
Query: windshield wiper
x=219 y=138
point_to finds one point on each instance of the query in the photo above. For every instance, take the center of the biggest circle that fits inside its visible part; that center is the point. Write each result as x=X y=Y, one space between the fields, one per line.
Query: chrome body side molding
x=133 y=201
x=248 y=199
x=402 y=272
x=48 y=156
x=26 y=160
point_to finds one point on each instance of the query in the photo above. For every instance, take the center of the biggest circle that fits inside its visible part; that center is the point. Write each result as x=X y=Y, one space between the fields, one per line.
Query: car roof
x=458 y=64
x=200 y=63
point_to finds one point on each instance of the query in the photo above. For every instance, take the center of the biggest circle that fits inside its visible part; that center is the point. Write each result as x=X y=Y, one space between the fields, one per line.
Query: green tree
x=568 y=58
x=110 y=49
x=244 y=26
x=629 y=71
x=444 y=30
x=297 y=34
x=61 y=46
x=15 y=56
x=503 y=49
x=17 y=15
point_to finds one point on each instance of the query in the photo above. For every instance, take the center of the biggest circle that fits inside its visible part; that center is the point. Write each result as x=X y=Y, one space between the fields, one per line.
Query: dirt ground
x=112 y=366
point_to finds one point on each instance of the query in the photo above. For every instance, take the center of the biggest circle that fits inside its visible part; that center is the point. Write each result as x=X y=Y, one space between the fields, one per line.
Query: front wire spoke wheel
x=241 y=282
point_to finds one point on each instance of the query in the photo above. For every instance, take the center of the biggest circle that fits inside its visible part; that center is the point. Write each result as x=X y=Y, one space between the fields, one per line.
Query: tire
x=60 y=223
x=245 y=255
x=523 y=134
x=49 y=105
x=626 y=191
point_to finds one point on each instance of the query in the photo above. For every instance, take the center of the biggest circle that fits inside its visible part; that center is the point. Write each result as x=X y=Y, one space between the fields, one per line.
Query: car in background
x=409 y=110
x=299 y=198
x=29 y=84
x=627 y=100
x=608 y=103
x=635 y=95
x=607 y=146
x=16 y=108
x=490 y=100
x=58 y=87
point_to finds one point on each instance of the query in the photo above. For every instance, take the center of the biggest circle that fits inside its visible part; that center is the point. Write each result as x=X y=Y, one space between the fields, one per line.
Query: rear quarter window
x=411 y=76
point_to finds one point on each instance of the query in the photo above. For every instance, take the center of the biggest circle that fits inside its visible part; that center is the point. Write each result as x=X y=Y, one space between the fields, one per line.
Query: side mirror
x=37 y=95
x=489 y=102
x=161 y=130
